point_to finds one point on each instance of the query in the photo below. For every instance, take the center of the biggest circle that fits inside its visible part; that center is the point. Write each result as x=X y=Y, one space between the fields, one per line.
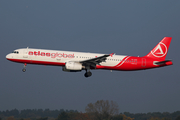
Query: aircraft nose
x=8 y=56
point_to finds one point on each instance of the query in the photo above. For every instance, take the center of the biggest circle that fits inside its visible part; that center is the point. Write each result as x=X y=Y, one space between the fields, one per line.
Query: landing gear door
x=25 y=53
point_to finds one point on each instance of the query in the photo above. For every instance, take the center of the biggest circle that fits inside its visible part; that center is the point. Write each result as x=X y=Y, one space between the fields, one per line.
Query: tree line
x=100 y=110
x=33 y=113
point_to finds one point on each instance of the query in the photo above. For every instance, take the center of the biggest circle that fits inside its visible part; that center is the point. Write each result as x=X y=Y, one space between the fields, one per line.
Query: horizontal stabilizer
x=162 y=62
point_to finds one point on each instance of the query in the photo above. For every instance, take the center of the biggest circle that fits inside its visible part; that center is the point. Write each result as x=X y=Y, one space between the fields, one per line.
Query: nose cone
x=8 y=56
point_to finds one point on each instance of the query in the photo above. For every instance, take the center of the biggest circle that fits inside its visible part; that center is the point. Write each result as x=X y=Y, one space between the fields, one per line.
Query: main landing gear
x=88 y=73
x=24 y=69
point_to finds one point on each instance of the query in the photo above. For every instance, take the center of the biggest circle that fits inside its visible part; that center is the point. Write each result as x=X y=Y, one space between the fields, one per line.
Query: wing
x=95 y=61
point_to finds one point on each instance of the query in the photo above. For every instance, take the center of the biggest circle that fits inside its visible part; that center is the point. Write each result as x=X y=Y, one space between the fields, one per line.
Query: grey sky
x=125 y=27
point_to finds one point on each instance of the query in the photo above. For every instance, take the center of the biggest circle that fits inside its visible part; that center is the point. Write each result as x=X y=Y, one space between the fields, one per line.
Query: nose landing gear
x=24 y=69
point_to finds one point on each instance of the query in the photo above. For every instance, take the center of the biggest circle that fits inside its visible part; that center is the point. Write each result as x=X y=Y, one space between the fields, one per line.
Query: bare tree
x=102 y=109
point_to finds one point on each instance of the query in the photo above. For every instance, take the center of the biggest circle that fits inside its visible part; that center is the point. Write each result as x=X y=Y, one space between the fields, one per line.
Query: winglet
x=111 y=54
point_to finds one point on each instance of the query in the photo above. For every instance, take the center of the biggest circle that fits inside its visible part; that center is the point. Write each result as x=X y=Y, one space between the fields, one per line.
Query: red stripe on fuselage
x=128 y=63
x=122 y=61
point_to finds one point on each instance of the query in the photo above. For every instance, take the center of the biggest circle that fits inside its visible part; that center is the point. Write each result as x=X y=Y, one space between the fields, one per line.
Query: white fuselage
x=56 y=57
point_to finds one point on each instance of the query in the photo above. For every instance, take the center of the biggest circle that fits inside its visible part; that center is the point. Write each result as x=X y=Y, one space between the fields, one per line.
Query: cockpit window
x=16 y=52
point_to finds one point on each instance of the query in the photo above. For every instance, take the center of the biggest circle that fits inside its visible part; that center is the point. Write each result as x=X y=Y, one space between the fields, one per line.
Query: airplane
x=77 y=61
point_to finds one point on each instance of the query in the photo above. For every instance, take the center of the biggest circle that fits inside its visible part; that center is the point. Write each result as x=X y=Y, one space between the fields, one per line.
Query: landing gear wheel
x=24 y=70
x=87 y=74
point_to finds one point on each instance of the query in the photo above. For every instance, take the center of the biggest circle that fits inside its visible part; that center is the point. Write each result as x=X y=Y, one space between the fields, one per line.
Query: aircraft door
x=25 y=53
x=143 y=62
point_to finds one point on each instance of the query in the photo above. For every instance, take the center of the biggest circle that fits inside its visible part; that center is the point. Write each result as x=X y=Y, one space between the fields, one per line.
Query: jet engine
x=72 y=67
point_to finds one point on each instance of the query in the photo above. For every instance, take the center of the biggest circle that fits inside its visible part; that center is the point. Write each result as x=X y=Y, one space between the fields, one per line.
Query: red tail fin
x=160 y=51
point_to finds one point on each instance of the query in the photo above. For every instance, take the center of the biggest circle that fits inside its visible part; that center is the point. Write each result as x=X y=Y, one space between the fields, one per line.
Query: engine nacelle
x=72 y=67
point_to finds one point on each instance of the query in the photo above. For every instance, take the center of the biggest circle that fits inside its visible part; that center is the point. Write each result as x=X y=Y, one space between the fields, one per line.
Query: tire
x=87 y=74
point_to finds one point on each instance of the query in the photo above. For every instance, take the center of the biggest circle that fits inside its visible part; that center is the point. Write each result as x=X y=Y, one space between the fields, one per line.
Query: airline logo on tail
x=160 y=50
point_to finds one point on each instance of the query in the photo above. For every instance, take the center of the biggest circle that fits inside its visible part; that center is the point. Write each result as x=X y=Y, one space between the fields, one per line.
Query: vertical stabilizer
x=160 y=51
